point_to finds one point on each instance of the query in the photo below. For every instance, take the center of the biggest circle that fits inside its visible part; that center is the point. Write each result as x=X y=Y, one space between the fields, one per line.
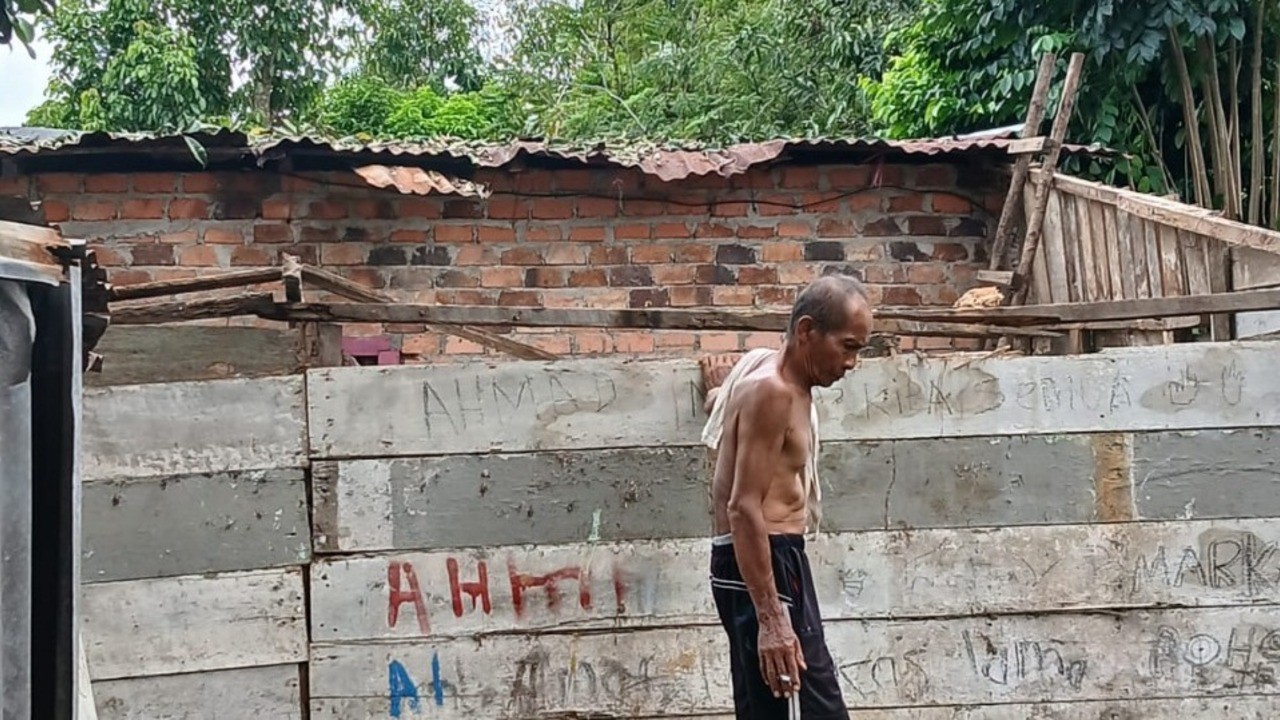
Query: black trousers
x=820 y=696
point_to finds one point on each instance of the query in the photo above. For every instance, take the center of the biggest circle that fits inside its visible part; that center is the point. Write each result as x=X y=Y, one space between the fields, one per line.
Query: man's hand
x=780 y=656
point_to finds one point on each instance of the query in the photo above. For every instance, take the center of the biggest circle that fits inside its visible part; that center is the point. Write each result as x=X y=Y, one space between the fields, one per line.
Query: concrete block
x=1207 y=474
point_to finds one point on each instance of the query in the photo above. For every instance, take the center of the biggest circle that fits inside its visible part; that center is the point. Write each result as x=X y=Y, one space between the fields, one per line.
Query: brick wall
x=599 y=238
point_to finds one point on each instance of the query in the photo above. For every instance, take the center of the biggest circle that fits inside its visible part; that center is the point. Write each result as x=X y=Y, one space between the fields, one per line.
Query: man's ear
x=804 y=325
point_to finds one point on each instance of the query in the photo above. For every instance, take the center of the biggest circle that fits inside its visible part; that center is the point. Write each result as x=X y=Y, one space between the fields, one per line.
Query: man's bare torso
x=784 y=506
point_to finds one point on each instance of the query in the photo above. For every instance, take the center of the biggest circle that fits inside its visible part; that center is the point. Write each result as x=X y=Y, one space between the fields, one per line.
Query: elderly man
x=764 y=497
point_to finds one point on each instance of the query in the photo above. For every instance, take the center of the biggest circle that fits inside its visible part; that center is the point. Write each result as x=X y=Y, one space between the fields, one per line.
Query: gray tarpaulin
x=17 y=333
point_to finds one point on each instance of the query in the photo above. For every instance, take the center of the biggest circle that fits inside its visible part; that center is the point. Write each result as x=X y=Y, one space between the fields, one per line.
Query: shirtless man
x=760 y=576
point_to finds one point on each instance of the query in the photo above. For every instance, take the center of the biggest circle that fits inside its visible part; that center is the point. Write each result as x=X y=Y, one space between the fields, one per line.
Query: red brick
x=272 y=233
x=797 y=274
x=249 y=256
x=546 y=233
x=142 y=209
x=756 y=232
x=420 y=344
x=589 y=342
x=836 y=227
x=457 y=346
x=55 y=211
x=590 y=207
x=454 y=233
x=277 y=208
x=428 y=208
x=476 y=255
x=690 y=295
x=849 y=178
x=151 y=254
x=155 y=183
x=466 y=297
x=521 y=256
x=673 y=274
x=754 y=340
x=926 y=274
x=882 y=227
x=327 y=210
x=496 y=233
x=94 y=210
x=951 y=204
x=608 y=255
x=581 y=233
x=106 y=183
x=936 y=176
x=520 y=298
x=558 y=344
x=712 y=230
x=631 y=232
x=776 y=295
x=946 y=295
x=633 y=341
x=605 y=297
x=801 y=177
x=650 y=254
x=416 y=237
x=731 y=209
x=774 y=204
x=900 y=295
x=575 y=180
x=173 y=273
x=949 y=252
x=664 y=231
x=128 y=277
x=199 y=256
x=792 y=228
x=504 y=208
x=649 y=298
x=884 y=274
x=643 y=208
x=778 y=252
x=675 y=339
x=108 y=257
x=757 y=275
x=551 y=209
x=719 y=342
x=822 y=203
x=913 y=202
x=188 y=209
x=182 y=237
x=458 y=279
x=224 y=236
x=732 y=295
x=373 y=209
x=593 y=277
x=754 y=179
x=873 y=200
x=567 y=254
x=60 y=183
x=695 y=253
x=343 y=254
x=16 y=186
x=200 y=183
x=501 y=277
x=369 y=277
x=928 y=225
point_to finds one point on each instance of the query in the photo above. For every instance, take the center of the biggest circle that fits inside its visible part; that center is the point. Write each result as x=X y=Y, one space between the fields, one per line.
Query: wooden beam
x=1029 y=145
x=152 y=313
x=291 y=273
x=1191 y=218
x=996 y=277
x=888 y=319
x=163 y=288
x=1013 y=198
x=29 y=252
x=338 y=285
x=1035 y=223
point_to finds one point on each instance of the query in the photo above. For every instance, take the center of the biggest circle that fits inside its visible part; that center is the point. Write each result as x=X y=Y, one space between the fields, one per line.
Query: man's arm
x=762 y=422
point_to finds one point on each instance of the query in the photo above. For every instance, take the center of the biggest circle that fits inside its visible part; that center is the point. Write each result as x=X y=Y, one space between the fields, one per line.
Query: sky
x=22 y=80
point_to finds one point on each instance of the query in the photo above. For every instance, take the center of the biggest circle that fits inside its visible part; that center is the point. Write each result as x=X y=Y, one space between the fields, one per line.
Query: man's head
x=830 y=322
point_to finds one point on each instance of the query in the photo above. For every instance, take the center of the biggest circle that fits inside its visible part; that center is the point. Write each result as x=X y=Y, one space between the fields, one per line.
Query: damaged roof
x=26 y=146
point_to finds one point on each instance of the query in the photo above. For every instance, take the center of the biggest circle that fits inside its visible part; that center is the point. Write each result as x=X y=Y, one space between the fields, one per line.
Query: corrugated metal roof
x=668 y=162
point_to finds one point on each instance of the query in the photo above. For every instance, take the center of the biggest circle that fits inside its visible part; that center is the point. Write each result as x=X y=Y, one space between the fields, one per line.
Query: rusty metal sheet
x=416 y=181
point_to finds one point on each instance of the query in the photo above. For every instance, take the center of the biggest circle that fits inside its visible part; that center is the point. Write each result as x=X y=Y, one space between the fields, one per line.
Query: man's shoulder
x=763 y=389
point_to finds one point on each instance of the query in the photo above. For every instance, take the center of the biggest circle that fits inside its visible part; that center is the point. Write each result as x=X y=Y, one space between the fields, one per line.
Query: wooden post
x=1013 y=198
x=1036 y=221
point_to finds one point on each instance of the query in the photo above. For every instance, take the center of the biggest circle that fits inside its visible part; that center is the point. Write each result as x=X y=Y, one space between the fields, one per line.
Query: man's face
x=832 y=354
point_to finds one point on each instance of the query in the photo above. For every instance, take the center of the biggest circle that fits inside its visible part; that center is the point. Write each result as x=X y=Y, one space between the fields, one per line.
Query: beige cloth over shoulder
x=712 y=431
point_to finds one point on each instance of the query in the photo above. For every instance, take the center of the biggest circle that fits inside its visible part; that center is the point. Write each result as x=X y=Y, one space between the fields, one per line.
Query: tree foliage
x=1163 y=83
x=413 y=43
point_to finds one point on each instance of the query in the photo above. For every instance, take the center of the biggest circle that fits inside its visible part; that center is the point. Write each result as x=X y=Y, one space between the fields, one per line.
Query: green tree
x=1163 y=84
x=17 y=17
x=413 y=43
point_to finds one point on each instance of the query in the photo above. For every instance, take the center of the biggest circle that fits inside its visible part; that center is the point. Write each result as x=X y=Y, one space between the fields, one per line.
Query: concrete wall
x=1064 y=538
x=608 y=238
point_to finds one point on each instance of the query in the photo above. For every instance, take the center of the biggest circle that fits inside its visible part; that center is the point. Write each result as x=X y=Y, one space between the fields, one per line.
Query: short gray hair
x=824 y=301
